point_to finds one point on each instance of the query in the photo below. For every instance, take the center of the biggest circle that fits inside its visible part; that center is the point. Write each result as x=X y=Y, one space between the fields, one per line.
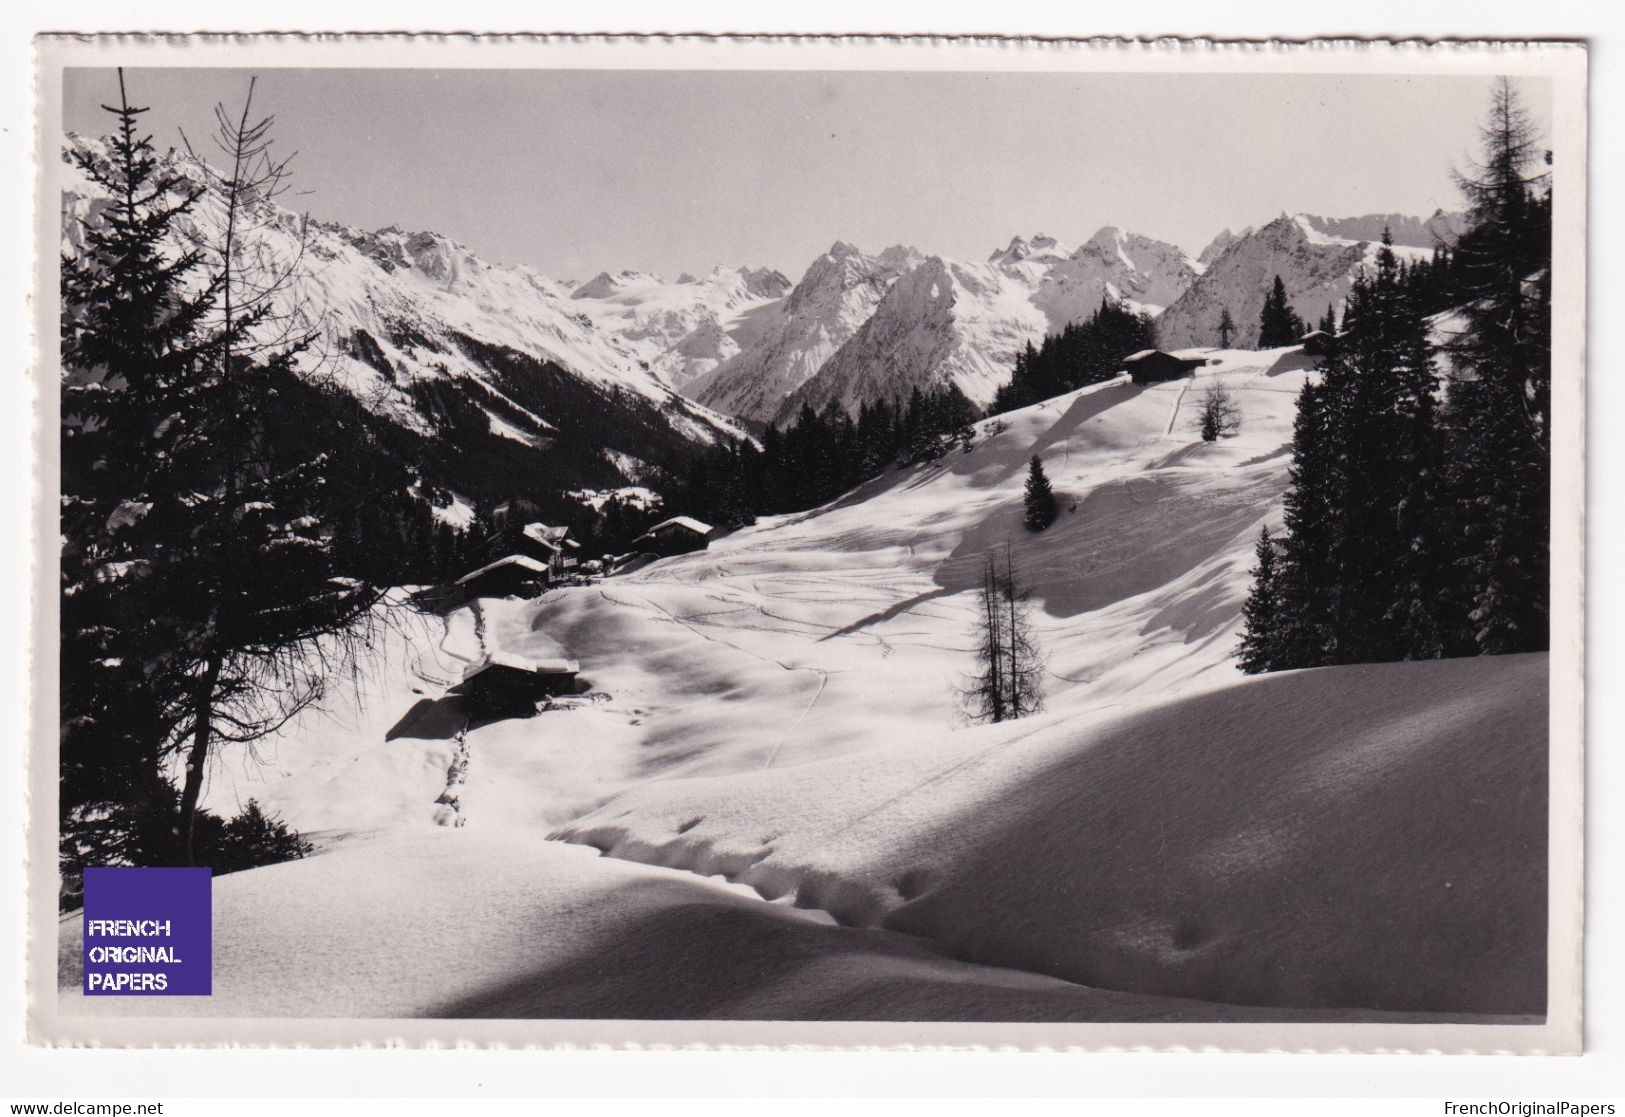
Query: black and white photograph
x=809 y=543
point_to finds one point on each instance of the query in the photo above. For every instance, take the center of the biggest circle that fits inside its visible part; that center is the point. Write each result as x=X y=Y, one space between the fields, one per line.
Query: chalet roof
x=523 y=561
x=1143 y=354
x=511 y=662
x=1316 y=334
x=544 y=536
x=686 y=522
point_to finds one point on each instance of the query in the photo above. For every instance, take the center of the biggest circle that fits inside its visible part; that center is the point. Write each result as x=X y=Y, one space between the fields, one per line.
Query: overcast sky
x=575 y=172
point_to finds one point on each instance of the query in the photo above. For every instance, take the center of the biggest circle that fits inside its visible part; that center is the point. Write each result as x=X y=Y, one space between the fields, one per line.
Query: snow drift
x=1359 y=837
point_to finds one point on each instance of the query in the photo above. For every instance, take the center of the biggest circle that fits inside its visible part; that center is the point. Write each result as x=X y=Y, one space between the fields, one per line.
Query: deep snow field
x=796 y=822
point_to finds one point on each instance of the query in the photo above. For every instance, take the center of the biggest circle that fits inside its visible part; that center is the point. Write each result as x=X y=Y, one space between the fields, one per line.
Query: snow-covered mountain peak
x=1316 y=258
x=1219 y=244
x=681 y=330
x=941 y=322
x=433 y=338
x=1112 y=264
x=794 y=337
x=1406 y=230
x=899 y=257
x=435 y=258
x=768 y=283
x=1037 y=248
x=604 y=285
x=1106 y=237
x=844 y=269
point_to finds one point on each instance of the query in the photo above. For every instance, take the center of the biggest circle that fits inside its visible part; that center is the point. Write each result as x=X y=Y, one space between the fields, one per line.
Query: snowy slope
x=1367 y=837
x=398 y=313
x=822 y=633
x=454 y=924
x=1317 y=259
x=780 y=709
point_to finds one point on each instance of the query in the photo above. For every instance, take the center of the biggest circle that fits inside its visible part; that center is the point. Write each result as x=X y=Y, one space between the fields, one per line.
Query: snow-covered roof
x=546 y=533
x=1316 y=334
x=689 y=522
x=1143 y=354
x=520 y=663
x=542 y=535
x=523 y=561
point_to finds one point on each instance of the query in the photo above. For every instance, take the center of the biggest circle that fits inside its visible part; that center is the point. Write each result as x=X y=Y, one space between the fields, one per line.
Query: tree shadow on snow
x=1089 y=405
x=886 y=614
x=1125 y=537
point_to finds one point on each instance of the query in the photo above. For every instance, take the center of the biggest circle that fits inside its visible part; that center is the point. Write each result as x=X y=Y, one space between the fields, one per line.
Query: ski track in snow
x=1173 y=412
x=823 y=679
x=686 y=622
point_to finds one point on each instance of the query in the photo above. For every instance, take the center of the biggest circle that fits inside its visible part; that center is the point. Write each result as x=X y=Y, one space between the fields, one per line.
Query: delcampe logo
x=148 y=932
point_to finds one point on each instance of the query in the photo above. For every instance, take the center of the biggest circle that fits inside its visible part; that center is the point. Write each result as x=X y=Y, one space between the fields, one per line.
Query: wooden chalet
x=504 y=685
x=1153 y=366
x=511 y=576
x=676 y=536
x=1318 y=343
x=546 y=544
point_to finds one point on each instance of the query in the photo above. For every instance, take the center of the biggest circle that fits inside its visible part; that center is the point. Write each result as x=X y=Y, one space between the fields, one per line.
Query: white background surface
x=31 y=1074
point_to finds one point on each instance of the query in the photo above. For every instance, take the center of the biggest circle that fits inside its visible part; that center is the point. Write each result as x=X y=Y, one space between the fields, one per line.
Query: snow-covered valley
x=769 y=806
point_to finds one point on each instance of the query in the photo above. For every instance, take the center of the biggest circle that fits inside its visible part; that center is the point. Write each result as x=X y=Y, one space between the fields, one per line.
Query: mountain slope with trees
x=1417 y=520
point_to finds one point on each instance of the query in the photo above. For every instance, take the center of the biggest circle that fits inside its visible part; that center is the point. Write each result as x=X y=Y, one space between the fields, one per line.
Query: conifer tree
x=1380 y=390
x=1305 y=577
x=225 y=588
x=1499 y=405
x=1227 y=327
x=1083 y=353
x=1039 y=499
x=1414 y=531
x=1219 y=415
x=131 y=314
x=1260 y=613
x=1278 y=324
